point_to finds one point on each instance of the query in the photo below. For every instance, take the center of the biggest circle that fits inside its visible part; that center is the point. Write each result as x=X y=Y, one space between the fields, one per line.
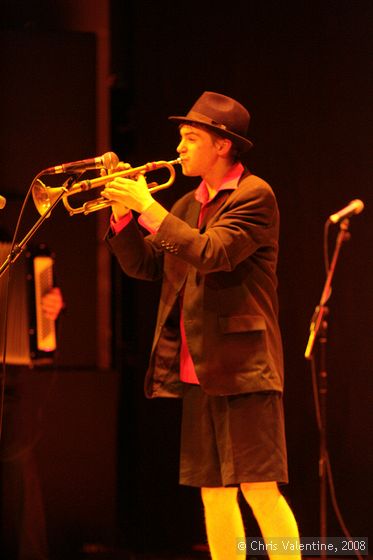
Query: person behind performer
x=23 y=531
x=217 y=341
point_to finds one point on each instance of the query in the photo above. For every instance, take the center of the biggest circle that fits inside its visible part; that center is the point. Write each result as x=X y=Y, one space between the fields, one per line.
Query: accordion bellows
x=30 y=336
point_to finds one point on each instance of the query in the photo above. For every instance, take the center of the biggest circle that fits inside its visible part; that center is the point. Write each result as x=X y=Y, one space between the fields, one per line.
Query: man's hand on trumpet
x=128 y=194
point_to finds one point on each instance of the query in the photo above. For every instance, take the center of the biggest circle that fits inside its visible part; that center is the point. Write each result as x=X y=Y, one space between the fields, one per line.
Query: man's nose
x=180 y=147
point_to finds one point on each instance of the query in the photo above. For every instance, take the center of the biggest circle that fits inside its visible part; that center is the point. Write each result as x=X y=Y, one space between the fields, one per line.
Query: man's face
x=198 y=151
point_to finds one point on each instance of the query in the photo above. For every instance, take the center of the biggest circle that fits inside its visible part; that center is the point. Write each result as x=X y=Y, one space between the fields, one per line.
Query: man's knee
x=262 y=495
x=220 y=497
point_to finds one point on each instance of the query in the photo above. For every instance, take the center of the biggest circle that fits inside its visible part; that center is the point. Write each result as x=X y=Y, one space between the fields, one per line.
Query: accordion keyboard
x=45 y=328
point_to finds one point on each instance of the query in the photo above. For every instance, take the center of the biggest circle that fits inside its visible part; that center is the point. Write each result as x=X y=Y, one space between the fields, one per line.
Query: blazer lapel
x=192 y=213
x=218 y=204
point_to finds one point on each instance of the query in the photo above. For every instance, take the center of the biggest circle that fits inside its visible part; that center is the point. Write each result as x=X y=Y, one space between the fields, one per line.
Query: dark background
x=303 y=69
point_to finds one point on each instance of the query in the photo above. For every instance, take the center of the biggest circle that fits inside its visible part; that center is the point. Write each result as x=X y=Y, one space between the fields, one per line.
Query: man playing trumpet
x=217 y=342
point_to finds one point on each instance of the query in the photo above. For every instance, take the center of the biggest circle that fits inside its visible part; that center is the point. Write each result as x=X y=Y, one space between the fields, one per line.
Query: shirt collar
x=229 y=182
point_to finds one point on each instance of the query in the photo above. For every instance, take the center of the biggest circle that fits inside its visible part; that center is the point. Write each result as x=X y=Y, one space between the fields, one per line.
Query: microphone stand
x=20 y=247
x=318 y=330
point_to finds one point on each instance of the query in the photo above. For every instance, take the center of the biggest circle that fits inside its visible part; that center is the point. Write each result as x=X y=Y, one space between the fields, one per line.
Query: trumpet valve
x=85 y=185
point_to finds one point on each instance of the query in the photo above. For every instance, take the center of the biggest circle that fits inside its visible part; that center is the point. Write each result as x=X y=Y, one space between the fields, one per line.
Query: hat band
x=194 y=115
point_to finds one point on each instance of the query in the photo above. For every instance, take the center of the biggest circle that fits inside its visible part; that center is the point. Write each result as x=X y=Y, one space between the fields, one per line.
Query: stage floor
x=128 y=555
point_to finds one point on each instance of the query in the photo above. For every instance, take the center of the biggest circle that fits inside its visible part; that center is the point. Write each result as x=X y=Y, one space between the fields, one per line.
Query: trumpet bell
x=44 y=196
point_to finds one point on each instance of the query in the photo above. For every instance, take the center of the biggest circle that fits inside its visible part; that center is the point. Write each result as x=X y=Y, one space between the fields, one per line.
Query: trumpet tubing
x=131 y=172
x=45 y=196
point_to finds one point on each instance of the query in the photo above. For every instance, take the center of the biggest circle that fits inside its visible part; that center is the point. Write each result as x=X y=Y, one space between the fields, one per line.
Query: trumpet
x=44 y=196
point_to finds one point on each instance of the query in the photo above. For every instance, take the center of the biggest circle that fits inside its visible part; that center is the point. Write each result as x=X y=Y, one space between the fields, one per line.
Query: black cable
x=326 y=246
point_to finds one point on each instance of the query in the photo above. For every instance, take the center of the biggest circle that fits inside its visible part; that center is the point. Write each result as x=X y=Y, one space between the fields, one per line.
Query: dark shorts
x=229 y=440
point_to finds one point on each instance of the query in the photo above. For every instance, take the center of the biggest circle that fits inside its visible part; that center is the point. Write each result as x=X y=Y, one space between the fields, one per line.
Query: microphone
x=355 y=207
x=2 y=202
x=109 y=160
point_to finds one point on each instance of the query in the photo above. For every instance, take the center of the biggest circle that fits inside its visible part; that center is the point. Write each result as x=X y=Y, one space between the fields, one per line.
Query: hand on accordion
x=52 y=303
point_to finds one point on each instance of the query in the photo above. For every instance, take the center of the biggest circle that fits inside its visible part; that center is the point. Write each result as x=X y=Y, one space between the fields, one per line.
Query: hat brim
x=242 y=143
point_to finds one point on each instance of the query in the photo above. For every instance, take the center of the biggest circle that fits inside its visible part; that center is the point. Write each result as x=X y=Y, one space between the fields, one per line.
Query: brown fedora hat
x=221 y=114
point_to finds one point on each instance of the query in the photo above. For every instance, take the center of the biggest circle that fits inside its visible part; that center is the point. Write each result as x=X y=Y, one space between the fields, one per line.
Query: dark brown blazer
x=226 y=271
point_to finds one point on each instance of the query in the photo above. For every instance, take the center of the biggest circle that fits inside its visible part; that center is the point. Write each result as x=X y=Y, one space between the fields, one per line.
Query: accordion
x=30 y=336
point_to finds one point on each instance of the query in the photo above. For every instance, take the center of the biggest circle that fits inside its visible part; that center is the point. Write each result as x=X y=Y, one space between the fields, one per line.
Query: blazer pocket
x=242 y=323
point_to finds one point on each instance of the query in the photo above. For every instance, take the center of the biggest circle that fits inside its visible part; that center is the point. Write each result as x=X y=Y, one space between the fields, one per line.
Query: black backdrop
x=47 y=115
x=303 y=69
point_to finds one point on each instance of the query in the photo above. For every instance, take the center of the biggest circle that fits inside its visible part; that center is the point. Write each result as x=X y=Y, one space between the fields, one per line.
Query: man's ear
x=224 y=146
